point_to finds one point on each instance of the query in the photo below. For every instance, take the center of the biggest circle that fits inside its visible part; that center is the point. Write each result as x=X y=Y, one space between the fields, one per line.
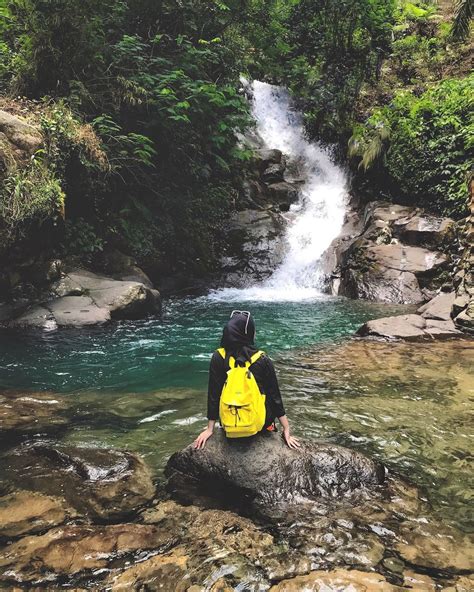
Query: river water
x=141 y=385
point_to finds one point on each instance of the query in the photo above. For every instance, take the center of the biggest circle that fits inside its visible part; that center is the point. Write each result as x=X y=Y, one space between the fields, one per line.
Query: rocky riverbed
x=258 y=518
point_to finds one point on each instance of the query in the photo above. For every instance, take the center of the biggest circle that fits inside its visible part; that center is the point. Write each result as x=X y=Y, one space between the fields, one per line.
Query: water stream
x=316 y=220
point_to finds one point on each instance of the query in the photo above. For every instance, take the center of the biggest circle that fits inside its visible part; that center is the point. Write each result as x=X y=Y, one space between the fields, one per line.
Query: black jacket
x=264 y=373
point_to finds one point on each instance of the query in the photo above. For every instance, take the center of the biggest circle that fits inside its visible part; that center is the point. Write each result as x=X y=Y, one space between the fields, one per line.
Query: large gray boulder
x=411 y=327
x=264 y=469
x=395 y=255
x=389 y=272
x=81 y=298
x=123 y=299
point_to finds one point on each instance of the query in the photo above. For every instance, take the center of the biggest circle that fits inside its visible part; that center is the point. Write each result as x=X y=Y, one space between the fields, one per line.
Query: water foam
x=315 y=220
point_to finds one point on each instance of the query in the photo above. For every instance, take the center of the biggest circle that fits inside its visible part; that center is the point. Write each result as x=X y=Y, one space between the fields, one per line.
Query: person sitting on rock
x=243 y=388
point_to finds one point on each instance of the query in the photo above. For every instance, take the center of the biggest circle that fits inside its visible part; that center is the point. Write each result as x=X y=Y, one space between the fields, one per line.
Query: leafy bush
x=339 y=44
x=80 y=239
x=31 y=194
x=425 y=145
x=157 y=82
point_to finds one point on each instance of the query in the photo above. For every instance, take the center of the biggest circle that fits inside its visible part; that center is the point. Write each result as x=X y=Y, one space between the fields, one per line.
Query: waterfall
x=318 y=216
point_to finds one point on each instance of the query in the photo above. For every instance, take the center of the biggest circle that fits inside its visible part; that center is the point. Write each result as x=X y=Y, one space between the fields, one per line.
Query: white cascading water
x=315 y=220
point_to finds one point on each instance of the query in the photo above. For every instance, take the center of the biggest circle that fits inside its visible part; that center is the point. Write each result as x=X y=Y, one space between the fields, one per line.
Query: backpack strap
x=256 y=356
x=223 y=353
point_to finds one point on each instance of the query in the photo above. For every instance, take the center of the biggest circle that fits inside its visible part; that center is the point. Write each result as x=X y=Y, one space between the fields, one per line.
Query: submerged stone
x=215 y=545
x=26 y=512
x=101 y=483
x=435 y=546
x=461 y=584
x=24 y=411
x=265 y=469
x=70 y=550
x=338 y=580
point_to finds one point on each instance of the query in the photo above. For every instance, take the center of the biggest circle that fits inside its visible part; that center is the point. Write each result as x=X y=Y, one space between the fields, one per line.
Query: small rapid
x=315 y=221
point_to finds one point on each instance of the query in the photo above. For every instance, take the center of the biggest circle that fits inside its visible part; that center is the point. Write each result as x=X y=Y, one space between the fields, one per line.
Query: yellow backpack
x=242 y=405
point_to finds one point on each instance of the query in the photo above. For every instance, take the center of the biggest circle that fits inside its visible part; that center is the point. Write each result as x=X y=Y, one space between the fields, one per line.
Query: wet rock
x=420 y=582
x=389 y=272
x=122 y=299
x=461 y=584
x=38 y=317
x=254 y=246
x=265 y=157
x=31 y=412
x=165 y=572
x=316 y=469
x=406 y=258
x=103 y=484
x=337 y=580
x=78 y=311
x=439 y=308
x=410 y=327
x=381 y=285
x=66 y=551
x=424 y=230
x=430 y=545
x=214 y=544
x=27 y=512
x=388 y=261
x=394 y=565
x=284 y=194
x=465 y=319
x=330 y=541
x=459 y=304
x=273 y=173
x=83 y=298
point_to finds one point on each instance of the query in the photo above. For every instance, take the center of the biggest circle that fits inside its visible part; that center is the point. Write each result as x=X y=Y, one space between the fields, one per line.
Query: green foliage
x=369 y=141
x=141 y=110
x=30 y=194
x=328 y=49
x=34 y=193
x=158 y=83
x=81 y=239
x=462 y=20
x=426 y=150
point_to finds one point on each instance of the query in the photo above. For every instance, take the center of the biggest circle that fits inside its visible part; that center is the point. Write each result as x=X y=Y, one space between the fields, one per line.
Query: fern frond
x=462 y=20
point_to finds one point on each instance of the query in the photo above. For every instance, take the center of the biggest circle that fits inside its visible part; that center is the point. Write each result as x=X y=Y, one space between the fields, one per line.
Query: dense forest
x=142 y=113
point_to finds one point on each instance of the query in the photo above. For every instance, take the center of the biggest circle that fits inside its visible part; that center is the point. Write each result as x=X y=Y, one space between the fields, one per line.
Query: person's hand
x=201 y=440
x=291 y=442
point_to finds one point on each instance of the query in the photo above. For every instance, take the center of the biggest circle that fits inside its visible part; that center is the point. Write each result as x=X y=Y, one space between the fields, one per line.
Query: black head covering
x=238 y=337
